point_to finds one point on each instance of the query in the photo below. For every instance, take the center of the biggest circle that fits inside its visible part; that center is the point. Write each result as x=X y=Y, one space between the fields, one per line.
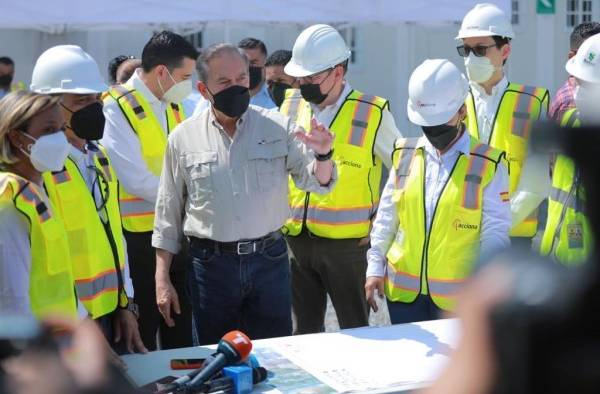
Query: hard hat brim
x=575 y=70
x=91 y=89
x=298 y=71
x=480 y=33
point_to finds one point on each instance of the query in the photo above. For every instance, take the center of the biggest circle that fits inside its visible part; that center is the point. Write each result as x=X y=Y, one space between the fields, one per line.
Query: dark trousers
x=322 y=266
x=250 y=293
x=421 y=309
x=142 y=265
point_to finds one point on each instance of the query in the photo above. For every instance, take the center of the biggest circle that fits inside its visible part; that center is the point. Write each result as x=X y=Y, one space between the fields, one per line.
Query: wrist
x=324 y=157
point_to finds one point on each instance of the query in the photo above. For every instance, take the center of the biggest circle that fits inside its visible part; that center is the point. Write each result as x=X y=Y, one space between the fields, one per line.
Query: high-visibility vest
x=347 y=211
x=438 y=261
x=519 y=107
x=96 y=249
x=17 y=86
x=50 y=278
x=137 y=213
x=568 y=234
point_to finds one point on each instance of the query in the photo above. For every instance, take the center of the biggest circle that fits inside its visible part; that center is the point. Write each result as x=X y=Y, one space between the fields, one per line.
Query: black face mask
x=256 y=76
x=440 y=136
x=277 y=92
x=232 y=101
x=6 y=80
x=311 y=92
x=88 y=122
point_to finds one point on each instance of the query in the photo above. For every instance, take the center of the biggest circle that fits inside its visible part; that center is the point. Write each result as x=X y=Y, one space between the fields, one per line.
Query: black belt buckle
x=246 y=247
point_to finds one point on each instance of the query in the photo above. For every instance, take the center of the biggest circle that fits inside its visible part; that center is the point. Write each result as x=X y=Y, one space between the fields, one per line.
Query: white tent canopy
x=57 y=16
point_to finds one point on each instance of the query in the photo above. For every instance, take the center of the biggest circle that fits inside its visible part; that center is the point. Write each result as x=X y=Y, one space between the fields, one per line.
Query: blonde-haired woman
x=35 y=267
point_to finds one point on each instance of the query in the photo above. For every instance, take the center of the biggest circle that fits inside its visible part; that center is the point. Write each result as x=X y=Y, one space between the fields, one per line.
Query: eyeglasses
x=311 y=78
x=479 y=50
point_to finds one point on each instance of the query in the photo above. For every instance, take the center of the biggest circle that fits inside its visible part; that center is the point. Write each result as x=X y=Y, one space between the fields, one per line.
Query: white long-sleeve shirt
x=386 y=135
x=123 y=145
x=495 y=223
x=534 y=184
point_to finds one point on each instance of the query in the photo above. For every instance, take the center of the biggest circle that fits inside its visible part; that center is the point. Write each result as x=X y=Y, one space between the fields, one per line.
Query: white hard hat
x=436 y=91
x=316 y=49
x=66 y=69
x=485 y=20
x=585 y=65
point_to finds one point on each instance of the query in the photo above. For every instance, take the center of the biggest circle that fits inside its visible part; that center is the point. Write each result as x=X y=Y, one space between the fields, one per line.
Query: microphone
x=234 y=347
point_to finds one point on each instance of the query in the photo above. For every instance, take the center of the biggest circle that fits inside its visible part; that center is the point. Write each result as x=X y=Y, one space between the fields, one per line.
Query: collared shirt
x=262 y=98
x=495 y=222
x=230 y=189
x=386 y=135
x=123 y=145
x=534 y=182
x=563 y=101
x=3 y=93
x=486 y=106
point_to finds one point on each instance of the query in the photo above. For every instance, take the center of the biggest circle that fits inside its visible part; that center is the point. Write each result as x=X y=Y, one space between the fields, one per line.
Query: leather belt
x=241 y=247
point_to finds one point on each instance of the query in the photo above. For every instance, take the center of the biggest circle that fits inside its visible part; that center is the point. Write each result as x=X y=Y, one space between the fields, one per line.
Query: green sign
x=546 y=6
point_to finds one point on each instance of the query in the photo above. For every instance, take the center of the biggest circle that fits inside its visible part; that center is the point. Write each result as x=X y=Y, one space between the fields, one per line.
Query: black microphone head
x=259 y=374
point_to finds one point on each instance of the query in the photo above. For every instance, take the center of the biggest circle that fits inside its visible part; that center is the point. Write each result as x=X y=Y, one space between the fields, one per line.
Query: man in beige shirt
x=225 y=186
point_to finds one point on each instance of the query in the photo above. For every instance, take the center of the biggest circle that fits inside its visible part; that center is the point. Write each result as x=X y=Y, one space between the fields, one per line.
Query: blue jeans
x=250 y=293
x=421 y=309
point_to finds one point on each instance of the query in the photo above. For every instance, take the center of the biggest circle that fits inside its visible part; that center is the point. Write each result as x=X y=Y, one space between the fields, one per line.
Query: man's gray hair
x=213 y=52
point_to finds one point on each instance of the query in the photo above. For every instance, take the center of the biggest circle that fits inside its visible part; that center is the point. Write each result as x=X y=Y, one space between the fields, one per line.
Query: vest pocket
x=198 y=169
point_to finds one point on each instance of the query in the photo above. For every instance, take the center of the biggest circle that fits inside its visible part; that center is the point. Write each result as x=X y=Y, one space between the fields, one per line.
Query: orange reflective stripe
x=403 y=280
x=103 y=160
x=407 y=153
x=360 y=119
x=135 y=207
x=130 y=98
x=476 y=168
x=337 y=216
x=444 y=288
x=61 y=176
x=176 y=113
x=524 y=104
x=30 y=196
x=90 y=288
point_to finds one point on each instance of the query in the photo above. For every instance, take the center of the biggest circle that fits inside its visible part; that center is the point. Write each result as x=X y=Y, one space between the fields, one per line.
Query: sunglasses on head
x=479 y=50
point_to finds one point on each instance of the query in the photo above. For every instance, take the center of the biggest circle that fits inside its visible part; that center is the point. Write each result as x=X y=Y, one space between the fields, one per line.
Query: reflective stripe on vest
x=291 y=104
x=436 y=262
x=519 y=107
x=96 y=252
x=347 y=211
x=88 y=289
x=568 y=234
x=51 y=290
x=137 y=213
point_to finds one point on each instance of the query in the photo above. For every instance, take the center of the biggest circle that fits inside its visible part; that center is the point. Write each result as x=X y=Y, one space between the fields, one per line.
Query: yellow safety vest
x=17 y=86
x=137 y=213
x=96 y=249
x=436 y=262
x=519 y=107
x=51 y=289
x=568 y=234
x=347 y=211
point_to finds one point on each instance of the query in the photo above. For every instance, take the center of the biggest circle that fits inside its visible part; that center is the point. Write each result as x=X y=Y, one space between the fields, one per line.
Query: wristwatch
x=324 y=157
x=132 y=307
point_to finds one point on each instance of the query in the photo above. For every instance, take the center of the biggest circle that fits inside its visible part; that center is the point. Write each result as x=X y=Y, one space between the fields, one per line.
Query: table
x=370 y=359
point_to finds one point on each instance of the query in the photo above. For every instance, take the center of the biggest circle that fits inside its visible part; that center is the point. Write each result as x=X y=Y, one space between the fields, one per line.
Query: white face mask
x=49 y=152
x=586 y=101
x=479 y=69
x=178 y=92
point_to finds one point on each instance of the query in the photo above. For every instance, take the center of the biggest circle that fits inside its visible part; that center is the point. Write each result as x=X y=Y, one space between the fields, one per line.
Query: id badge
x=575 y=235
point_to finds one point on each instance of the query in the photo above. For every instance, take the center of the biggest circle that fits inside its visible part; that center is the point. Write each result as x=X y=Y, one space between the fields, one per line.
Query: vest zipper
x=425 y=254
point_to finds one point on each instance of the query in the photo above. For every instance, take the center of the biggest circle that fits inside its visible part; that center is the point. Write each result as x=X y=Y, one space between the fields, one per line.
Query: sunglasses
x=479 y=50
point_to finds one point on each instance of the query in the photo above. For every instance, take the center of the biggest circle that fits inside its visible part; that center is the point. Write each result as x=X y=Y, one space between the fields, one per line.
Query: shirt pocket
x=267 y=163
x=199 y=167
